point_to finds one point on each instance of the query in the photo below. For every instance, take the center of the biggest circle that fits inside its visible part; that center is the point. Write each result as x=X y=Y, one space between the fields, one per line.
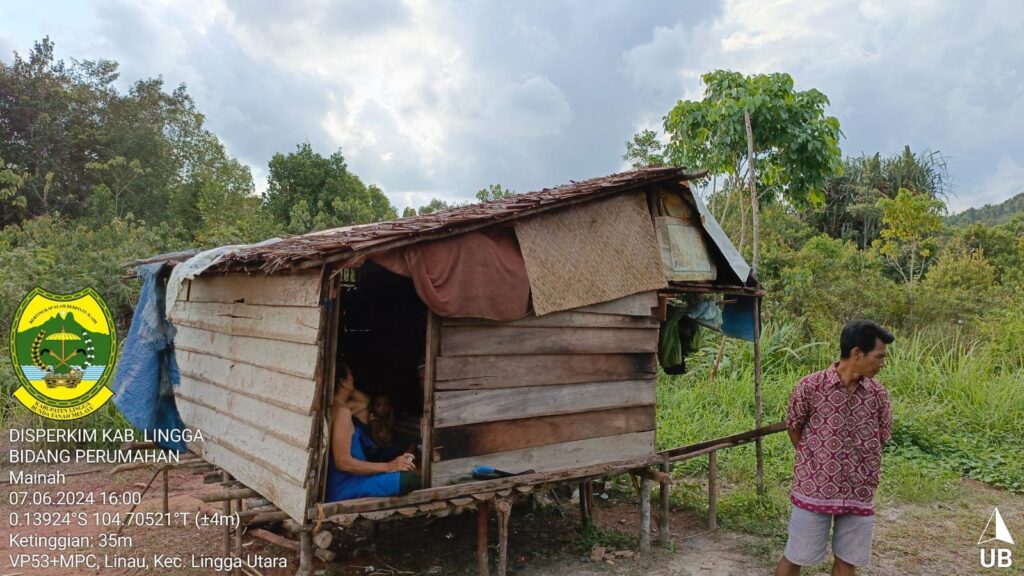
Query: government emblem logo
x=63 y=348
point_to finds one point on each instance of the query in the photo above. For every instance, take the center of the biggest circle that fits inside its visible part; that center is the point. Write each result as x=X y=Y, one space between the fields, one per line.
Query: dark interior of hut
x=382 y=338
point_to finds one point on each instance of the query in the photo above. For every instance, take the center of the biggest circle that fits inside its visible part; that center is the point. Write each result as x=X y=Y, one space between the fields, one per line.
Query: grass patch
x=958 y=409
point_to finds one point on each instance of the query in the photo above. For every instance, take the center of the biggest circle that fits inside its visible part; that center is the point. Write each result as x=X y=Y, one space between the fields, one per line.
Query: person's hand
x=402 y=463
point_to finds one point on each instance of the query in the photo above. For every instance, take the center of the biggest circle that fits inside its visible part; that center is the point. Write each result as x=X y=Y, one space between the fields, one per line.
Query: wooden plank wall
x=562 y=390
x=247 y=350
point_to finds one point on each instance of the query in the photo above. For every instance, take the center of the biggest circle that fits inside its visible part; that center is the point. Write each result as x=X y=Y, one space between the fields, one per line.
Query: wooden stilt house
x=535 y=320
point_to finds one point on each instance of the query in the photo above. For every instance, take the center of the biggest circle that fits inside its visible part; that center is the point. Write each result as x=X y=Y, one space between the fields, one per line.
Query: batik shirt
x=839 y=458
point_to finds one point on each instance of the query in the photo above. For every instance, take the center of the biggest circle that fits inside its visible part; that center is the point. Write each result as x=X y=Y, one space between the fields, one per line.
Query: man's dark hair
x=862 y=334
x=341 y=370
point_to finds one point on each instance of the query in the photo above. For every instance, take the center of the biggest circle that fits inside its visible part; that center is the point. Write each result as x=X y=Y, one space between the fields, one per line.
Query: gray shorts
x=808 y=537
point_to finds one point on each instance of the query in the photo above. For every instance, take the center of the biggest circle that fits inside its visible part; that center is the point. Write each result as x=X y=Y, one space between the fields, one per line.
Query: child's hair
x=342 y=370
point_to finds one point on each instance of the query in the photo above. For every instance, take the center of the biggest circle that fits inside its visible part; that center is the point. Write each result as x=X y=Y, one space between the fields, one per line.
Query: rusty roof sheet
x=350 y=245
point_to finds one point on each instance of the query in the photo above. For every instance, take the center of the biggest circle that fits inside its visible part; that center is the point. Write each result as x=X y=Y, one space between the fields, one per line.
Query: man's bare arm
x=794 y=436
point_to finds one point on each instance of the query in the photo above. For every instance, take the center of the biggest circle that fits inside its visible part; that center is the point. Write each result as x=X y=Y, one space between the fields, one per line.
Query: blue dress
x=345 y=486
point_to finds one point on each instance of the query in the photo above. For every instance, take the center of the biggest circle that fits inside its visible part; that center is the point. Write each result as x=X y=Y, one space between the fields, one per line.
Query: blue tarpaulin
x=147 y=371
x=738 y=318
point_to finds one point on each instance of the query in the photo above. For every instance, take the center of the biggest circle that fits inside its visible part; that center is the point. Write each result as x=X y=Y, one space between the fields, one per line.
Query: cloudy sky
x=439 y=99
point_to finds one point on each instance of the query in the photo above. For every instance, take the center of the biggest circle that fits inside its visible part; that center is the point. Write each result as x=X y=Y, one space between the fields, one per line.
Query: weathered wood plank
x=461 y=407
x=289 y=323
x=278 y=488
x=499 y=340
x=256 y=445
x=290 y=427
x=287 y=290
x=636 y=305
x=505 y=435
x=553 y=457
x=286 y=357
x=472 y=372
x=433 y=344
x=284 y=390
x=568 y=319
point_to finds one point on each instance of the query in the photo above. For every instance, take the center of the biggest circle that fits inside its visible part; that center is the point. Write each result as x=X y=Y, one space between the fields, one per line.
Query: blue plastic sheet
x=147 y=372
x=738 y=318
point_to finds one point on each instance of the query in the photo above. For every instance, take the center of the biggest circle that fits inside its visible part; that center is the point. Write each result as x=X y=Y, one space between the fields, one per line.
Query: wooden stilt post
x=504 y=510
x=590 y=499
x=238 y=535
x=584 y=504
x=645 y=515
x=166 y=509
x=712 y=490
x=306 y=552
x=226 y=509
x=664 y=505
x=758 y=412
x=482 y=561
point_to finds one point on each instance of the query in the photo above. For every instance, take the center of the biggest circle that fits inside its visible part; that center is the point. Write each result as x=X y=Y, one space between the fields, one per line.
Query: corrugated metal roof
x=351 y=244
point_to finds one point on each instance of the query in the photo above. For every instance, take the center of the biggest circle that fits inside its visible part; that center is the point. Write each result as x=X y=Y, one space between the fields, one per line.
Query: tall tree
x=796 y=145
x=310 y=192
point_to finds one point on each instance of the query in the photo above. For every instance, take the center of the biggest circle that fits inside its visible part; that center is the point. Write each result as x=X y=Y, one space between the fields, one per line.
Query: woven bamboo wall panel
x=594 y=253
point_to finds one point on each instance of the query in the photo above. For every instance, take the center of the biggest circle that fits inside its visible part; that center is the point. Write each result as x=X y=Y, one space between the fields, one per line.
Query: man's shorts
x=808 y=537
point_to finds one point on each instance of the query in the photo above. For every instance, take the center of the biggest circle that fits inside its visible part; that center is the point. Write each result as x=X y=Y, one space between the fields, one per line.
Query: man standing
x=838 y=420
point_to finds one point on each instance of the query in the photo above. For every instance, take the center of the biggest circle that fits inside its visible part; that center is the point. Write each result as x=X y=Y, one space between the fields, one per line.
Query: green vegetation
x=990 y=213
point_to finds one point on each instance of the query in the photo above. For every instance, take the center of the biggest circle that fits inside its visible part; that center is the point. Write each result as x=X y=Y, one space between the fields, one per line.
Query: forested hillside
x=990 y=213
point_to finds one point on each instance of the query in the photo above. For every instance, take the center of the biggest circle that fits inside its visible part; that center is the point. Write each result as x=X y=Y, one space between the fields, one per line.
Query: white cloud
x=432 y=99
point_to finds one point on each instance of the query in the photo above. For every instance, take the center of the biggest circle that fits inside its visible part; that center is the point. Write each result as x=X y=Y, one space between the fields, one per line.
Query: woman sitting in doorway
x=350 y=474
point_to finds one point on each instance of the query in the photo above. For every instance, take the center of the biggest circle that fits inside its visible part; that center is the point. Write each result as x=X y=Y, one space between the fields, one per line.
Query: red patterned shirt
x=839 y=457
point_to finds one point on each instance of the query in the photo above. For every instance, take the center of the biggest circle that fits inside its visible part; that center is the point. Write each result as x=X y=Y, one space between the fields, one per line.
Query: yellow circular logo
x=63 y=348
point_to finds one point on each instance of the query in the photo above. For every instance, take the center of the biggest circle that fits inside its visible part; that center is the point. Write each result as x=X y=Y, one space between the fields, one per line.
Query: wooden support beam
x=433 y=347
x=712 y=490
x=226 y=495
x=504 y=511
x=165 y=491
x=305 y=554
x=584 y=504
x=483 y=486
x=482 y=560
x=758 y=410
x=701 y=448
x=645 y=515
x=663 y=501
x=238 y=534
x=226 y=509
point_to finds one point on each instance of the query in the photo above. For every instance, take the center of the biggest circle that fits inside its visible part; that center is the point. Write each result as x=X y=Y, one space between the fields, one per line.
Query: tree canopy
x=796 y=145
x=307 y=191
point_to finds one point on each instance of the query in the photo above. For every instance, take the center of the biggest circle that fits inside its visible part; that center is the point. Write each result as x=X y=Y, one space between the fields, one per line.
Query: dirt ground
x=925 y=538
